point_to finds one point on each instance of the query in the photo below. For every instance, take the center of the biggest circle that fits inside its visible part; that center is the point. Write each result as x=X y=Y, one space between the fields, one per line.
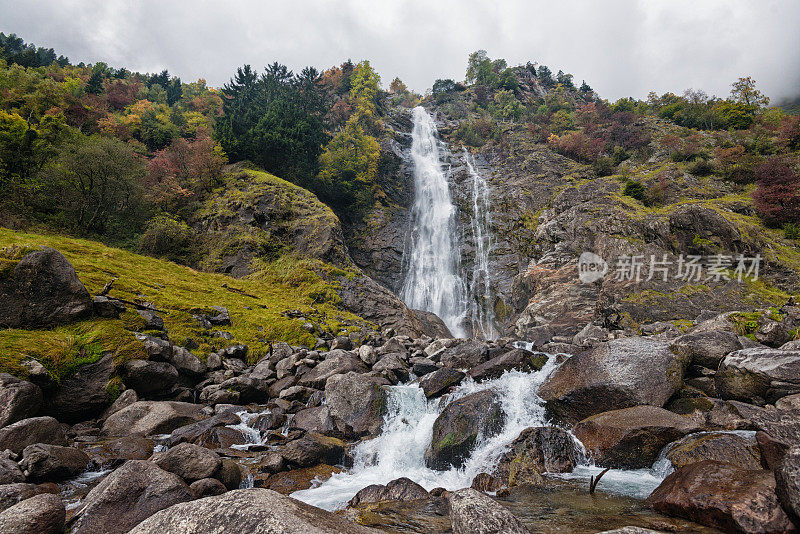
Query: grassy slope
x=286 y=284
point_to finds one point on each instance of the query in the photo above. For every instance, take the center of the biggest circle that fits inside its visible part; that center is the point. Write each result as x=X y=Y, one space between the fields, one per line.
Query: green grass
x=288 y=283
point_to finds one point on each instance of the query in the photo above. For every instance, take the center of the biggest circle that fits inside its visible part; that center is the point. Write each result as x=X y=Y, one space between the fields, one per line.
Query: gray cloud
x=620 y=47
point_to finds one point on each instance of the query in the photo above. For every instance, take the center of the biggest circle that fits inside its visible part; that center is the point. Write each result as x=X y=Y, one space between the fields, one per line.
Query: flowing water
x=433 y=282
x=482 y=310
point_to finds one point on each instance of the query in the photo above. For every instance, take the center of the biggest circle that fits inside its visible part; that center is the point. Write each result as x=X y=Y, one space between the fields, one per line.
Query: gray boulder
x=189 y=461
x=132 y=493
x=150 y=378
x=400 y=490
x=706 y=348
x=472 y=512
x=254 y=510
x=19 y=399
x=440 y=381
x=787 y=482
x=40 y=514
x=42 y=462
x=759 y=375
x=336 y=362
x=147 y=418
x=43 y=290
x=619 y=374
x=10 y=472
x=356 y=404
x=465 y=355
x=11 y=494
x=84 y=395
x=29 y=431
x=517 y=359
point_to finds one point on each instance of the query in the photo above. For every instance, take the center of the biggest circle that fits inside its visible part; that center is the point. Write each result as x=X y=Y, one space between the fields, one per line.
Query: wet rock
x=440 y=381
x=392 y=367
x=40 y=514
x=29 y=431
x=401 y=489
x=42 y=290
x=759 y=374
x=335 y=363
x=230 y=474
x=287 y=482
x=42 y=462
x=19 y=399
x=465 y=355
x=271 y=463
x=313 y=449
x=787 y=482
x=150 y=378
x=297 y=393
x=189 y=461
x=706 y=348
x=84 y=395
x=485 y=482
x=207 y=487
x=147 y=418
x=431 y=324
x=423 y=366
x=116 y=451
x=194 y=432
x=472 y=512
x=257 y=511
x=723 y=496
x=619 y=374
x=631 y=438
x=316 y=419
x=741 y=451
x=130 y=494
x=538 y=450
x=356 y=404
x=517 y=359
x=456 y=430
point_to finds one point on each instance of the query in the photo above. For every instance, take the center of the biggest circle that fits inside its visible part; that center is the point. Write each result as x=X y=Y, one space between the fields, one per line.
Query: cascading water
x=433 y=282
x=480 y=290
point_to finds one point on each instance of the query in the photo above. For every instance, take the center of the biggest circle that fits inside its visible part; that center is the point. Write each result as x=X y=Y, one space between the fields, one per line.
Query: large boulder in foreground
x=456 y=430
x=706 y=348
x=759 y=375
x=29 y=431
x=723 y=496
x=132 y=493
x=254 y=510
x=43 y=462
x=40 y=514
x=356 y=404
x=189 y=461
x=472 y=512
x=619 y=374
x=43 y=290
x=787 y=481
x=147 y=418
x=19 y=399
x=632 y=437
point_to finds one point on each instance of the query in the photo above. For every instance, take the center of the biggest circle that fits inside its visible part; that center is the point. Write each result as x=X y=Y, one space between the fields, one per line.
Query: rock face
x=734 y=449
x=146 y=418
x=757 y=375
x=472 y=512
x=43 y=290
x=618 y=374
x=787 y=482
x=18 y=399
x=356 y=404
x=255 y=511
x=84 y=395
x=722 y=496
x=29 y=431
x=632 y=437
x=457 y=428
x=536 y=451
x=40 y=514
x=132 y=493
x=402 y=489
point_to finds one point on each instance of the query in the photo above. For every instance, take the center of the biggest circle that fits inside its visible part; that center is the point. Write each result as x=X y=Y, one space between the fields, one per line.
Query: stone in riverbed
x=19 y=399
x=313 y=449
x=206 y=487
x=188 y=461
x=517 y=359
x=438 y=382
x=148 y=418
x=356 y=404
x=472 y=512
x=401 y=489
x=538 y=450
x=619 y=374
x=787 y=481
x=256 y=511
x=43 y=462
x=11 y=494
x=336 y=362
x=759 y=374
x=706 y=348
x=29 y=431
x=40 y=514
x=735 y=449
x=723 y=496
x=631 y=438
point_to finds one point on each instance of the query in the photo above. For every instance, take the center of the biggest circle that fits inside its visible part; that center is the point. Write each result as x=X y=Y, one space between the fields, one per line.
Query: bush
x=635 y=190
x=791 y=231
x=604 y=167
x=168 y=238
x=701 y=167
x=777 y=197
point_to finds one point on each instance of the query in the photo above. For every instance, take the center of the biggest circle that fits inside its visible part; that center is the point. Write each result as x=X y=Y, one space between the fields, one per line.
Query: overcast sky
x=620 y=47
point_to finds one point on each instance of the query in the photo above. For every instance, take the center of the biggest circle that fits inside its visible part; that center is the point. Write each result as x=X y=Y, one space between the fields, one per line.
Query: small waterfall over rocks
x=433 y=281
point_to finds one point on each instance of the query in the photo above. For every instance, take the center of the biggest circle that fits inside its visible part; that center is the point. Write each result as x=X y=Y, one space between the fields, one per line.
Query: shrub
x=604 y=166
x=701 y=167
x=777 y=197
x=167 y=237
x=791 y=231
x=635 y=190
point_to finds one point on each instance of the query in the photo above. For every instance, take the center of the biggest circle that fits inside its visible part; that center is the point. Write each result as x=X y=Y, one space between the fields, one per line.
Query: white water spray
x=482 y=312
x=433 y=282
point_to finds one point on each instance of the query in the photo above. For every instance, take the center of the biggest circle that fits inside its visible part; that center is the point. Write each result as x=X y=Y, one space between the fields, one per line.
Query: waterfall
x=433 y=282
x=482 y=311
